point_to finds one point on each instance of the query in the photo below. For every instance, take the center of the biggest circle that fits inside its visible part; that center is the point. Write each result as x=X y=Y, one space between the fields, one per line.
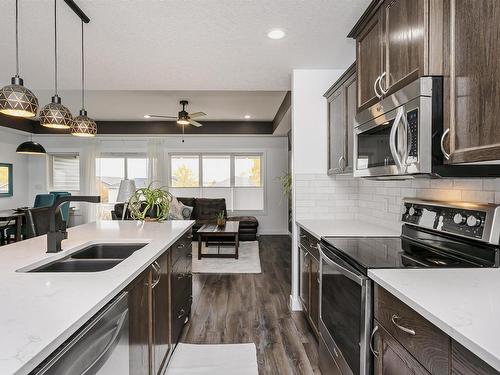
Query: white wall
x=9 y=140
x=273 y=220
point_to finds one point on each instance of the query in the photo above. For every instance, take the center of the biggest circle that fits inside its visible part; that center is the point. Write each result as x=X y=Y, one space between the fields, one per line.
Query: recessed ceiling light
x=276 y=34
x=147 y=116
x=248 y=116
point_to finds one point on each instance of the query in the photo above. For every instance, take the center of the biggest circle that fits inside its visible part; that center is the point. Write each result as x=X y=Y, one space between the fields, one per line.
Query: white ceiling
x=178 y=45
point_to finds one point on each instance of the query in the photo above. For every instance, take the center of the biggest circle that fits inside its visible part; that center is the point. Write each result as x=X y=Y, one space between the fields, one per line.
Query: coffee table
x=230 y=230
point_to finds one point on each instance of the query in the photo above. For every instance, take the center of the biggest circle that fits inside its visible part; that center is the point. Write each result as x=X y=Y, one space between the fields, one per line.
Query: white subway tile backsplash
x=468 y=184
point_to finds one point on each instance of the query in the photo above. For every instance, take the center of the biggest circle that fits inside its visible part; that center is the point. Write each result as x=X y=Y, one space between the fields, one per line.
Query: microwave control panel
x=412 y=119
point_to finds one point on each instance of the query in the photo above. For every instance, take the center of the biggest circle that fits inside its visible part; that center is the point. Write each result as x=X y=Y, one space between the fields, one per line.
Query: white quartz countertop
x=464 y=303
x=346 y=228
x=39 y=311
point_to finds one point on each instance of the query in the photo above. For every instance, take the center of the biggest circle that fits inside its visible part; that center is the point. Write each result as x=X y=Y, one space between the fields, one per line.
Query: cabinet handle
x=375 y=87
x=156 y=268
x=375 y=353
x=181 y=245
x=404 y=329
x=380 y=84
x=445 y=154
x=341 y=164
x=181 y=313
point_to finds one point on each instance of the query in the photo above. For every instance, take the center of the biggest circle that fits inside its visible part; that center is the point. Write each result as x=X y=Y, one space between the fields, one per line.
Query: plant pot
x=150 y=219
x=221 y=222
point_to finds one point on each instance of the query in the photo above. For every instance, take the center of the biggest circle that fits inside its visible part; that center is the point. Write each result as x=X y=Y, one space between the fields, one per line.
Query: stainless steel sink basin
x=107 y=251
x=93 y=258
x=74 y=265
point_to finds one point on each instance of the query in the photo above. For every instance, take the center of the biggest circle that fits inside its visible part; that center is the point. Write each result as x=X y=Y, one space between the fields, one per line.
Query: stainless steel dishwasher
x=100 y=347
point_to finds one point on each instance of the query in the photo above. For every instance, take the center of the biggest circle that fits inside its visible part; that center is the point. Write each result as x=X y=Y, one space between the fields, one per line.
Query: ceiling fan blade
x=195 y=123
x=161 y=116
x=197 y=114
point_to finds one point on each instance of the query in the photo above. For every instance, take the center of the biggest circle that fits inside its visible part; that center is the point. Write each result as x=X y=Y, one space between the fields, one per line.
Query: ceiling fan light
x=30 y=148
x=56 y=116
x=18 y=101
x=183 y=121
x=83 y=126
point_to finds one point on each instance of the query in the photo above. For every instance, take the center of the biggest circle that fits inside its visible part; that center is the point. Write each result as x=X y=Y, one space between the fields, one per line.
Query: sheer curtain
x=89 y=181
x=157 y=163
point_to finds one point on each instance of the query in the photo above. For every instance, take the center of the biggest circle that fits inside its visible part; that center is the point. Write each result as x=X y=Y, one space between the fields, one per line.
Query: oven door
x=345 y=313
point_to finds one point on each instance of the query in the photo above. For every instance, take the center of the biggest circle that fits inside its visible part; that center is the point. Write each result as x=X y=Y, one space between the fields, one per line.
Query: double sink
x=93 y=258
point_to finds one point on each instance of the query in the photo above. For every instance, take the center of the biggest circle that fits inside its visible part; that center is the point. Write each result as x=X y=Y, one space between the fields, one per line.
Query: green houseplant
x=221 y=219
x=150 y=203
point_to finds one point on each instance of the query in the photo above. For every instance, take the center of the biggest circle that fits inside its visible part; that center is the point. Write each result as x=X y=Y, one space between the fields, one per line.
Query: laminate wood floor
x=242 y=308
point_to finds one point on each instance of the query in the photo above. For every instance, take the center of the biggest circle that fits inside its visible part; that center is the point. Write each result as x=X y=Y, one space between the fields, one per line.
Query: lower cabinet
x=159 y=307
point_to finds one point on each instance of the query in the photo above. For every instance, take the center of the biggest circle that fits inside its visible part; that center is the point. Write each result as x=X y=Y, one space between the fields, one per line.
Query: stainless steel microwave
x=402 y=136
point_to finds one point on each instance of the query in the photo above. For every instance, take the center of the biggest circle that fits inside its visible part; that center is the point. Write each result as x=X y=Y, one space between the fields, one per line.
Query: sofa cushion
x=207 y=209
x=245 y=221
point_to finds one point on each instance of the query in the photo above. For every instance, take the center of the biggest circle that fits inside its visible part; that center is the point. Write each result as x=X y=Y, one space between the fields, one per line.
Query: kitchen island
x=40 y=311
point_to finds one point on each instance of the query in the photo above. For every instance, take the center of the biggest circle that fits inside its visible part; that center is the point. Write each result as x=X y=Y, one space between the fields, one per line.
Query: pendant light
x=54 y=114
x=15 y=99
x=83 y=126
x=30 y=148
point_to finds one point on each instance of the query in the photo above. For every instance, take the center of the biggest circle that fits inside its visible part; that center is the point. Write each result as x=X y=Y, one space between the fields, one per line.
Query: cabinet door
x=336 y=132
x=350 y=95
x=392 y=358
x=160 y=312
x=464 y=362
x=405 y=36
x=314 y=297
x=369 y=61
x=139 y=325
x=304 y=278
x=474 y=84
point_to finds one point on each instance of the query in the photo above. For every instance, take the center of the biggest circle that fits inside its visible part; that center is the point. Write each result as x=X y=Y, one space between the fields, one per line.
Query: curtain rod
x=75 y=8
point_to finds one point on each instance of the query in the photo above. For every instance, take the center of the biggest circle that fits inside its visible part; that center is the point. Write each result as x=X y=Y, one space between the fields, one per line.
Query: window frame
x=50 y=166
x=232 y=186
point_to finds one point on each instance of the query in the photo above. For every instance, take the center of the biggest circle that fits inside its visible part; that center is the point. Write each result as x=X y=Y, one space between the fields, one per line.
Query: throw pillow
x=186 y=211
x=179 y=211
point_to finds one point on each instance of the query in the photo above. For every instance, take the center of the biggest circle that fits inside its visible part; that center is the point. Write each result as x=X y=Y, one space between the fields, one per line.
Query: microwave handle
x=393 y=142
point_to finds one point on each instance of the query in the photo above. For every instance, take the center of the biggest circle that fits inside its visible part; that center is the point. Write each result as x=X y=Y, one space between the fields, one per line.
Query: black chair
x=38 y=220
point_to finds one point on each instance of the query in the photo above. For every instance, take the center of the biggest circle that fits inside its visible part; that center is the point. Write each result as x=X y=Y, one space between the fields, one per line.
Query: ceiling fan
x=183 y=118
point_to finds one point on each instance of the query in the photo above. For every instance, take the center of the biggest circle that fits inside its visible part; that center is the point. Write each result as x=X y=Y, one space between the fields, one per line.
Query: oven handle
x=357 y=278
x=393 y=141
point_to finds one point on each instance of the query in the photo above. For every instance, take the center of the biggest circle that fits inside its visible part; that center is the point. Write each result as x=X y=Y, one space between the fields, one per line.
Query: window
x=111 y=169
x=64 y=172
x=235 y=177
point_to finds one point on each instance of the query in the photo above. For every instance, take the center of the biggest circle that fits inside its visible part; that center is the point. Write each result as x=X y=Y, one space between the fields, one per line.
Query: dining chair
x=64 y=206
x=38 y=220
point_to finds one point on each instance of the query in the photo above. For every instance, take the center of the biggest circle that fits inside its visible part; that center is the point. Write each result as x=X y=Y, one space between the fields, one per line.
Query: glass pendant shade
x=55 y=115
x=83 y=126
x=30 y=148
x=16 y=100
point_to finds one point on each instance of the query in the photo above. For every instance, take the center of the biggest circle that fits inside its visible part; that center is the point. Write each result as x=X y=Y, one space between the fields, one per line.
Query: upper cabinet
x=394 y=39
x=472 y=92
x=341 y=98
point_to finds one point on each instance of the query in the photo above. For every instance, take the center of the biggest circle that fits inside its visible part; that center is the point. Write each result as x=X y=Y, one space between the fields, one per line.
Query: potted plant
x=150 y=204
x=221 y=219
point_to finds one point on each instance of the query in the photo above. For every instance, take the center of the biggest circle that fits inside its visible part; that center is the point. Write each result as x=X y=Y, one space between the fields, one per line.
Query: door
x=350 y=95
x=139 y=325
x=314 y=296
x=369 y=62
x=391 y=358
x=474 y=84
x=160 y=312
x=405 y=27
x=336 y=132
x=304 y=278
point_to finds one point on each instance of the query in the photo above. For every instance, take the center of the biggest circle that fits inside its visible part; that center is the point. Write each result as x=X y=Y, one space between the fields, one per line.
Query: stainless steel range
x=434 y=235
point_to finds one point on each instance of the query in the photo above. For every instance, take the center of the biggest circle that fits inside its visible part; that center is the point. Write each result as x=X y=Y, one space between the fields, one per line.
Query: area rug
x=247 y=262
x=227 y=359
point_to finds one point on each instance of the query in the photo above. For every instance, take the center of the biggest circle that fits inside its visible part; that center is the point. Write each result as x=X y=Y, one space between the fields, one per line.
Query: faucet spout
x=54 y=236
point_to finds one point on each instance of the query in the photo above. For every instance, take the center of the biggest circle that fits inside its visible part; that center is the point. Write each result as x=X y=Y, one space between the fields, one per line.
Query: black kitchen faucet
x=55 y=236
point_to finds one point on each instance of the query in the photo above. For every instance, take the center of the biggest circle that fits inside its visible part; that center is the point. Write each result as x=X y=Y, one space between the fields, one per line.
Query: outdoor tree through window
x=185 y=171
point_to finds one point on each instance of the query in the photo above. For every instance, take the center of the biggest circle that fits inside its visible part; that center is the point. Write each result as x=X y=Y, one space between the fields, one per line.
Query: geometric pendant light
x=15 y=99
x=83 y=126
x=54 y=114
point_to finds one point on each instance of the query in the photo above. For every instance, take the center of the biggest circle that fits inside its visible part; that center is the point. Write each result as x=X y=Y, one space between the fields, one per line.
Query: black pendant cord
x=17 y=38
x=55 y=46
x=83 y=72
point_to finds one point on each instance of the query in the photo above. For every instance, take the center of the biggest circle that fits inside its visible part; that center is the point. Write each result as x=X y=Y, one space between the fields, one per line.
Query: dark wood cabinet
x=341 y=99
x=472 y=92
x=139 y=325
x=309 y=278
x=463 y=362
x=160 y=287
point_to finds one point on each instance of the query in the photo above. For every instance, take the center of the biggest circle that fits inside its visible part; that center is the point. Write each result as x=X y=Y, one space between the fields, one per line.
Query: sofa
x=204 y=212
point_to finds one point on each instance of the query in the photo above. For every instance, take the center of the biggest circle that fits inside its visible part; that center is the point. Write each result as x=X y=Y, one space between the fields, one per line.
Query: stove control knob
x=414 y=211
x=473 y=221
x=459 y=219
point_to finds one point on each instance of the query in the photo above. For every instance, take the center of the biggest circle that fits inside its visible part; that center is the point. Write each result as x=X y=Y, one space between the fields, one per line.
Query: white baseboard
x=295 y=304
x=273 y=233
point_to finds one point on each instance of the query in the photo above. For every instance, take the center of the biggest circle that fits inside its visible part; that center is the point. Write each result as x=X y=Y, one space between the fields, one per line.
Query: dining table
x=16 y=216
